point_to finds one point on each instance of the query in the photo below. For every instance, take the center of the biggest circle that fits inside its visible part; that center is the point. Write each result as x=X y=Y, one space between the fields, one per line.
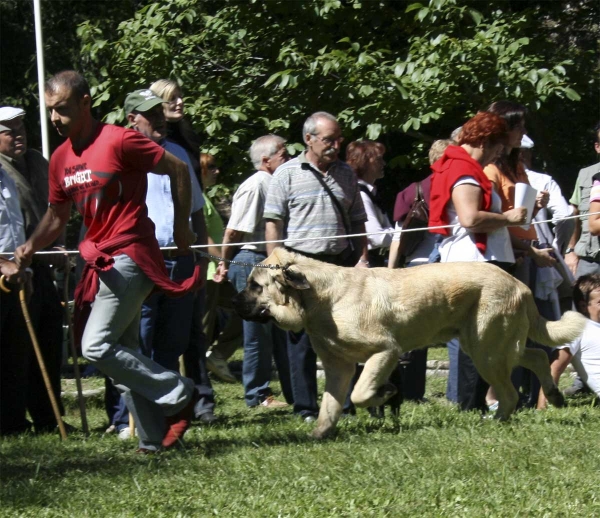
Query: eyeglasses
x=330 y=141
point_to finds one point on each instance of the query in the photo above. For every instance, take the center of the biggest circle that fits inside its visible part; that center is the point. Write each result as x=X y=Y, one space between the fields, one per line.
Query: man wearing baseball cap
x=102 y=169
x=28 y=169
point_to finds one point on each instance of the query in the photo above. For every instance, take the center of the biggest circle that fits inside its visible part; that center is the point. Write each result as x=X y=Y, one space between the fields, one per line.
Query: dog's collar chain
x=239 y=263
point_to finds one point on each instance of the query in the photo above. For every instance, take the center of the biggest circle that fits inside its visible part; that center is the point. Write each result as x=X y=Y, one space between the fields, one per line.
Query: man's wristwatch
x=569 y=250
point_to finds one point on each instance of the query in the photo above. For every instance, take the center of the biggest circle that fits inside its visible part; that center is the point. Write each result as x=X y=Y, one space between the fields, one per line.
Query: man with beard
x=315 y=196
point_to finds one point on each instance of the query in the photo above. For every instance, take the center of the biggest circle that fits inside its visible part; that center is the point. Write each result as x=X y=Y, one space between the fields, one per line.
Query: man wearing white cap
x=28 y=169
x=14 y=352
x=558 y=207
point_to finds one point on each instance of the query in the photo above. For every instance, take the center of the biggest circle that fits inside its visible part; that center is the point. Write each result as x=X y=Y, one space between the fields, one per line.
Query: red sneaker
x=180 y=422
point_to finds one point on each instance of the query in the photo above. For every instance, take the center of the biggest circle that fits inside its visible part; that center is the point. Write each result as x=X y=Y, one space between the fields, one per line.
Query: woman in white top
x=463 y=196
x=366 y=158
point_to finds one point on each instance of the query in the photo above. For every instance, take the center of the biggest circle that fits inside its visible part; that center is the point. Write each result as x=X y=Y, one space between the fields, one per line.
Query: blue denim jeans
x=262 y=343
x=195 y=357
x=110 y=342
x=166 y=322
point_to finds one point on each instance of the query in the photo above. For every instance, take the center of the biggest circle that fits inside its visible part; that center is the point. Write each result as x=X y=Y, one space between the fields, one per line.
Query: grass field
x=433 y=461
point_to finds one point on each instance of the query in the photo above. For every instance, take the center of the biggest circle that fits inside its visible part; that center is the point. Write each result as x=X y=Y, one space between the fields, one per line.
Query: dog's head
x=274 y=293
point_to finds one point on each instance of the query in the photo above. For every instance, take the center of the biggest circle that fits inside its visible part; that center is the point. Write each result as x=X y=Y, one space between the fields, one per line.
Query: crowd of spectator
x=159 y=316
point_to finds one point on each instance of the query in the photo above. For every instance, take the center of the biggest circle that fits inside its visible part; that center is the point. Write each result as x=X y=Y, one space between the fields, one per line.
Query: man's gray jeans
x=110 y=342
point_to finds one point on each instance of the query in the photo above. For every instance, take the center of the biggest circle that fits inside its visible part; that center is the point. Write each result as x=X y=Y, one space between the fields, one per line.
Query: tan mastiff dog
x=357 y=315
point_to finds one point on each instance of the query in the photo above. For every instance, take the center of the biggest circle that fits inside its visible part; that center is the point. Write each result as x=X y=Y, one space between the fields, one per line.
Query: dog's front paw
x=321 y=432
x=386 y=391
x=556 y=398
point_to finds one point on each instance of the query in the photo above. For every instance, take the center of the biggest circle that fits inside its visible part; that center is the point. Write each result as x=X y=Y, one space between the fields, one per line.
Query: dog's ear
x=295 y=279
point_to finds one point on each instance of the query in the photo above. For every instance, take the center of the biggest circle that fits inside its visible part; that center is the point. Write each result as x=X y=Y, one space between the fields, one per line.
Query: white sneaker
x=271 y=402
x=125 y=434
x=219 y=368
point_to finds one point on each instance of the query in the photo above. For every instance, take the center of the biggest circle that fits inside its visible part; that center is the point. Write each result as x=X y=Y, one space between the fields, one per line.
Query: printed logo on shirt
x=78 y=178
x=89 y=189
x=77 y=175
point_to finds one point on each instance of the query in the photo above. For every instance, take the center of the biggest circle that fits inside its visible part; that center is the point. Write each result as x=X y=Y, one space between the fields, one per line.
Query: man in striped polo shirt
x=299 y=206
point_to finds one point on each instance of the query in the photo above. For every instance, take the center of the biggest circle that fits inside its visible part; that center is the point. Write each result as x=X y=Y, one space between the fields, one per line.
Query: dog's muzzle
x=246 y=306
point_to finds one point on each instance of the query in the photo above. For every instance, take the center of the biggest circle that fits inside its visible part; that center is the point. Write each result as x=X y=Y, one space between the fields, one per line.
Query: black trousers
x=303 y=359
x=22 y=386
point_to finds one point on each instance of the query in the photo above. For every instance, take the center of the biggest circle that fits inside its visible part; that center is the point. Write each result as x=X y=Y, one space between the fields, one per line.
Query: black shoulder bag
x=417 y=217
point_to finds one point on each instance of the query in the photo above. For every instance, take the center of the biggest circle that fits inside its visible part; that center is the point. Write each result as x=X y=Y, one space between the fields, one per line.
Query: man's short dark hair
x=597 y=133
x=74 y=81
x=584 y=286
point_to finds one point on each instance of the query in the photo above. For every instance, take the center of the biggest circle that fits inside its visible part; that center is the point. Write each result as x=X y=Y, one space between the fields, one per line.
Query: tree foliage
x=394 y=70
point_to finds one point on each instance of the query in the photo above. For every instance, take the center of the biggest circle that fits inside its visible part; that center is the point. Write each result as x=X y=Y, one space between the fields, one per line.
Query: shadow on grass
x=28 y=458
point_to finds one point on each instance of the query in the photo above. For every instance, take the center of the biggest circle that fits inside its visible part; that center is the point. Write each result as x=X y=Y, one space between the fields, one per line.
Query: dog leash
x=238 y=263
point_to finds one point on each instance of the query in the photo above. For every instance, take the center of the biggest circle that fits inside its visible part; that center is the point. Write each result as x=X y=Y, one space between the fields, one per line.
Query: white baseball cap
x=8 y=113
x=526 y=142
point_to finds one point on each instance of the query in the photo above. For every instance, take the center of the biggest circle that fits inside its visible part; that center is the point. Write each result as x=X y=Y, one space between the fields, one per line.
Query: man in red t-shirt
x=102 y=169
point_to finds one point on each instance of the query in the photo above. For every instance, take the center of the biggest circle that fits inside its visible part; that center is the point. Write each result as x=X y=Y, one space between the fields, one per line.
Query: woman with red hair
x=365 y=157
x=463 y=196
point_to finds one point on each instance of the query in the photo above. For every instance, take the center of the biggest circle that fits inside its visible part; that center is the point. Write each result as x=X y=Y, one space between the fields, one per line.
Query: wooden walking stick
x=81 y=399
x=131 y=426
x=40 y=358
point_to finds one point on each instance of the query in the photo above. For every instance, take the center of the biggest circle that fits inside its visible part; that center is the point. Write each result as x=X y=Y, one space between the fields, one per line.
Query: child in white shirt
x=583 y=352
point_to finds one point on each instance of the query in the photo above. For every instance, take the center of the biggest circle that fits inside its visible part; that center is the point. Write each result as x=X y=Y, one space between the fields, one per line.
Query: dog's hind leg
x=536 y=361
x=338 y=375
x=372 y=388
x=496 y=371
x=495 y=343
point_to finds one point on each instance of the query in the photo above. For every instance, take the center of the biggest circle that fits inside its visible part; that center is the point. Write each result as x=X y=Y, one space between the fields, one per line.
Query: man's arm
x=48 y=230
x=594 y=221
x=394 y=256
x=181 y=190
x=360 y=244
x=571 y=259
x=227 y=252
x=199 y=227
x=559 y=361
x=273 y=232
x=542 y=257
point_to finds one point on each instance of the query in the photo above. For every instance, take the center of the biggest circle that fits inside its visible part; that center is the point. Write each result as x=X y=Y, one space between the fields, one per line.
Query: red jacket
x=454 y=164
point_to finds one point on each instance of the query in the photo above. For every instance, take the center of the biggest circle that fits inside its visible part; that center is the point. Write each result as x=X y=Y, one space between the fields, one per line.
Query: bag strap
x=366 y=190
x=336 y=202
x=419 y=193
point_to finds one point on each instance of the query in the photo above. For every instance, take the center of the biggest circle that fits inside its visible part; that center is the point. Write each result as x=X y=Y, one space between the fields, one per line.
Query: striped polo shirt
x=297 y=198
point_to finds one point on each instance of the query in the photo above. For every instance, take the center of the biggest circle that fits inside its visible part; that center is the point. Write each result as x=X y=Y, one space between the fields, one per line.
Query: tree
x=18 y=73
x=404 y=73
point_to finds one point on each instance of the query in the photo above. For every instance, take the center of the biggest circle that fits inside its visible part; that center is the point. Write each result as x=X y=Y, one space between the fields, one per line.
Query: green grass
x=434 y=461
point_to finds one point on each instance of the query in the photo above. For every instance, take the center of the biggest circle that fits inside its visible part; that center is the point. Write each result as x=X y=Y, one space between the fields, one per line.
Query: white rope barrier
x=348 y=236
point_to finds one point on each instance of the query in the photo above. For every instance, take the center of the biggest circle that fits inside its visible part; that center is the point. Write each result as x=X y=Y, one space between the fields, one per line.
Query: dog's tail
x=549 y=333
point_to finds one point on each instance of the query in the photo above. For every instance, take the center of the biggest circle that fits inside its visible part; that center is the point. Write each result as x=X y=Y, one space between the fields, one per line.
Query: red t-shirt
x=107 y=181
